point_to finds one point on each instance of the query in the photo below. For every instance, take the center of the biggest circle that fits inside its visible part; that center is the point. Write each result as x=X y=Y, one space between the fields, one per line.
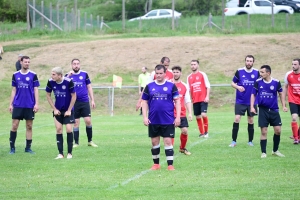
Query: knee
x=29 y=127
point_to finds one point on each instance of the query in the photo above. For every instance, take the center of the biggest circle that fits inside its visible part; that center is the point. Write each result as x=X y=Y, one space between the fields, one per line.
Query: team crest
x=298 y=78
x=179 y=89
x=252 y=76
x=27 y=78
x=165 y=89
x=80 y=77
x=271 y=87
x=63 y=87
x=197 y=77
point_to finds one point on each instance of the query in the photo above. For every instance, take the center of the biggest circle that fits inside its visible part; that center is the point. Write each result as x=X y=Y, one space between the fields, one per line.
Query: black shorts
x=65 y=120
x=23 y=113
x=240 y=109
x=156 y=130
x=294 y=108
x=183 y=122
x=200 y=107
x=267 y=116
x=82 y=109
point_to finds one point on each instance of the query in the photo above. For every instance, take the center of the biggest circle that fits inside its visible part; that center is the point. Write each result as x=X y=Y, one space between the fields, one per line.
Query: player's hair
x=163 y=59
x=297 y=59
x=159 y=67
x=57 y=70
x=249 y=56
x=176 y=68
x=24 y=57
x=197 y=61
x=74 y=60
x=267 y=67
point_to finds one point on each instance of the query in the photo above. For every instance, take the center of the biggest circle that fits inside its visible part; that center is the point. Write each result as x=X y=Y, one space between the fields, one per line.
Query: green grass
x=118 y=168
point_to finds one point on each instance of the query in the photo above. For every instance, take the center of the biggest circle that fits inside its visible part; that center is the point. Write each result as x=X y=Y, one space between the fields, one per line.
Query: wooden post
x=101 y=25
x=65 y=20
x=85 y=21
x=98 y=21
x=57 y=14
x=272 y=13
x=173 y=7
x=51 y=27
x=249 y=25
x=78 y=18
x=33 y=14
x=209 y=20
x=223 y=15
x=75 y=17
x=123 y=15
x=91 y=18
x=287 y=20
x=42 y=10
x=27 y=18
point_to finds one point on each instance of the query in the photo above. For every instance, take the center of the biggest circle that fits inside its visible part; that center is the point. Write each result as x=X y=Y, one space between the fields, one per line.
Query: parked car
x=258 y=7
x=158 y=14
x=295 y=4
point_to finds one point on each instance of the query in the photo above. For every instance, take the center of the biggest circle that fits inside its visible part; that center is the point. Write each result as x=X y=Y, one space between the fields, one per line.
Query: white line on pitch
x=137 y=176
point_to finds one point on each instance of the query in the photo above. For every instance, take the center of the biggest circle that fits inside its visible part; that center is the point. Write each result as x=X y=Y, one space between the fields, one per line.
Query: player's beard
x=249 y=66
x=76 y=70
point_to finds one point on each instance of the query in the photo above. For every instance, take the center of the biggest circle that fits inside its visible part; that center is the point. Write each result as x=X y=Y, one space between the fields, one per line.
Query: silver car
x=158 y=14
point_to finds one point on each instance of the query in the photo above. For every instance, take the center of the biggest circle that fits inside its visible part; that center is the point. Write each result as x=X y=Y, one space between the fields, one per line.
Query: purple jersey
x=266 y=93
x=160 y=101
x=245 y=78
x=81 y=80
x=62 y=92
x=24 y=84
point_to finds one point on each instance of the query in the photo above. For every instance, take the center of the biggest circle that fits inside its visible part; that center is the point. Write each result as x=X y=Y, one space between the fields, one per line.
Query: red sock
x=183 y=140
x=294 y=126
x=205 y=122
x=200 y=125
x=172 y=141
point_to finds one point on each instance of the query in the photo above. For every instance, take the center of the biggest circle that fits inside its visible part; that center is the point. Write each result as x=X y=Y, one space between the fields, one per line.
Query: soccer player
x=169 y=76
x=143 y=80
x=24 y=102
x=291 y=87
x=199 y=88
x=65 y=96
x=185 y=102
x=265 y=90
x=158 y=98
x=84 y=90
x=243 y=81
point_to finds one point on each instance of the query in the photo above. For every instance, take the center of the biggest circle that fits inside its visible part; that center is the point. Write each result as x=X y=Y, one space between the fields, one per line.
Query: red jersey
x=169 y=76
x=293 y=81
x=197 y=85
x=184 y=97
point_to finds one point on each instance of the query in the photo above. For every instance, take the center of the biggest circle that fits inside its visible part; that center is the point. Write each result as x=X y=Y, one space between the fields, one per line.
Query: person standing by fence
x=143 y=80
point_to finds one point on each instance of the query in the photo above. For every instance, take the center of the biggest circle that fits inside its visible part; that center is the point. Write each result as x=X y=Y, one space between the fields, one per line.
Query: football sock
x=250 y=132
x=70 y=142
x=155 y=154
x=263 y=146
x=183 y=140
x=235 y=130
x=28 y=144
x=205 y=124
x=276 y=141
x=76 y=135
x=200 y=125
x=294 y=126
x=169 y=154
x=60 y=143
x=12 y=139
x=89 y=132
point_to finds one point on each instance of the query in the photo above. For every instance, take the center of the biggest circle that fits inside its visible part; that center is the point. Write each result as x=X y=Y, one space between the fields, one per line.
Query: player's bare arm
x=12 y=96
x=145 y=109
x=284 y=93
x=91 y=94
x=73 y=99
x=49 y=99
x=178 y=107
x=252 y=100
x=237 y=87
x=282 y=99
x=36 y=96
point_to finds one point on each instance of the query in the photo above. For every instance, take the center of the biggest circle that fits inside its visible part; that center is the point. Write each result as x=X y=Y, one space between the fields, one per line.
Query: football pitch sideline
x=119 y=167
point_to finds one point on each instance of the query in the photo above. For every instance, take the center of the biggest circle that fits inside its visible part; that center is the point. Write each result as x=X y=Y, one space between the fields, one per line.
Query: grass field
x=119 y=167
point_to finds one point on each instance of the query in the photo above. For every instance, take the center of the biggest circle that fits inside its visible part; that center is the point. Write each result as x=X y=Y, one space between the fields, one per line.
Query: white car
x=158 y=14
